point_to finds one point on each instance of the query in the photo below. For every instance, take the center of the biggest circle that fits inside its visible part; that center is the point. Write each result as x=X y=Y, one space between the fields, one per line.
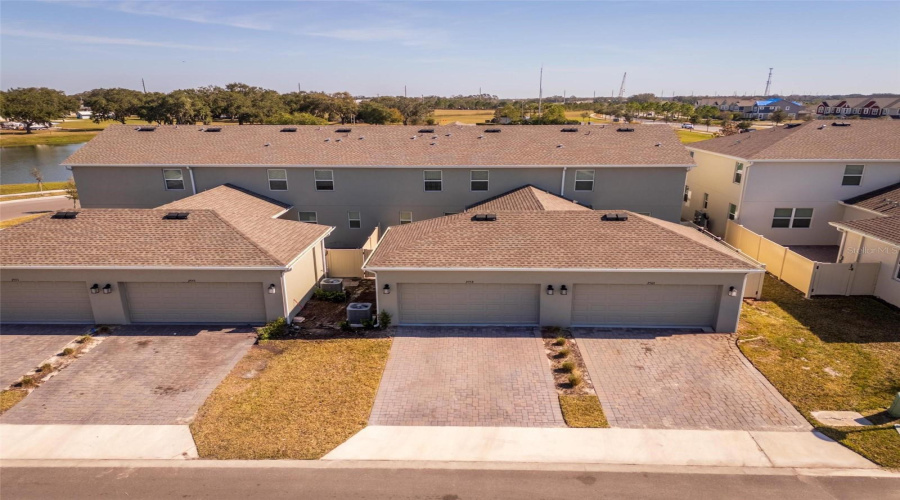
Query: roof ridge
x=247 y=238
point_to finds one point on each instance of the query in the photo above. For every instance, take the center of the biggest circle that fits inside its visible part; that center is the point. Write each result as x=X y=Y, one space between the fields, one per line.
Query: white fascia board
x=569 y=270
x=876 y=212
x=820 y=160
x=152 y=268
x=841 y=227
x=331 y=167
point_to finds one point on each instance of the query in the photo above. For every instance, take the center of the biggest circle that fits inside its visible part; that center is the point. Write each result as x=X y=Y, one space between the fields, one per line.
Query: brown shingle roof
x=883 y=228
x=239 y=232
x=885 y=200
x=862 y=140
x=546 y=240
x=383 y=146
x=525 y=198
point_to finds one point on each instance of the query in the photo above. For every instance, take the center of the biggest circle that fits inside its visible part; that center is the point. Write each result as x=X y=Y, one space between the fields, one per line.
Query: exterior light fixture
x=95 y=288
x=732 y=292
x=563 y=290
x=387 y=289
x=272 y=288
x=107 y=288
x=549 y=289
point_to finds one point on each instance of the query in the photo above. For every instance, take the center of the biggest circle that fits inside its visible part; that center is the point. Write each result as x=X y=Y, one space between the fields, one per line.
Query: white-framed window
x=732 y=211
x=405 y=217
x=705 y=201
x=799 y=218
x=324 y=180
x=310 y=217
x=853 y=175
x=174 y=179
x=479 y=180
x=434 y=180
x=584 y=180
x=354 y=220
x=687 y=194
x=738 y=172
x=277 y=179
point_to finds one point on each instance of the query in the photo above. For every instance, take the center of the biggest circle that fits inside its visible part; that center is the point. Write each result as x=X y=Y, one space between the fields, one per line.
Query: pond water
x=16 y=163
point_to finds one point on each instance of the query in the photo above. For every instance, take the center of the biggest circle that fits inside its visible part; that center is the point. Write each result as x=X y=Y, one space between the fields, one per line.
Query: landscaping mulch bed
x=323 y=318
x=578 y=401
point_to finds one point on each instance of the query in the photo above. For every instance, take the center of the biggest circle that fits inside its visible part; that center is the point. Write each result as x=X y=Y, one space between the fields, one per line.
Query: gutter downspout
x=284 y=300
x=193 y=184
x=744 y=180
x=562 y=184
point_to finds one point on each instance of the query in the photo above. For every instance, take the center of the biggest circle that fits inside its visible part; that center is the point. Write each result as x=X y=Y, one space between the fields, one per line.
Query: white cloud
x=102 y=40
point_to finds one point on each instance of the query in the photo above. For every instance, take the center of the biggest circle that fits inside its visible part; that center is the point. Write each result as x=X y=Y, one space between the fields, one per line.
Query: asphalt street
x=21 y=208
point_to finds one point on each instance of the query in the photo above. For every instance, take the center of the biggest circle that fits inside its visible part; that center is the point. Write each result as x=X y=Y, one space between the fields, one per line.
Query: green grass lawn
x=29 y=188
x=306 y=398
x=689 y=136
x=18 y=220
x=830 y=353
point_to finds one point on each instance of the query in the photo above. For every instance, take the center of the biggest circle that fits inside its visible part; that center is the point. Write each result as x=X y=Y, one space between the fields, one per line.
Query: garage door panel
x=474 y=303
x=645 y=305
x=233 y=302
x=45 y=302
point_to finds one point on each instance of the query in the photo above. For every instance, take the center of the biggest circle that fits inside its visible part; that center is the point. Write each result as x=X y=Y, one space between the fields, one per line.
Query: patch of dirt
x=167 y=390
x=555 y=355
x=323 y=318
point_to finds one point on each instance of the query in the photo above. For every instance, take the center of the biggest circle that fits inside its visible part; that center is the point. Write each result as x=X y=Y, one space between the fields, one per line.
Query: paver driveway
x=24 y=347
x=678 y=380
x=139 y=375
x=467 y=376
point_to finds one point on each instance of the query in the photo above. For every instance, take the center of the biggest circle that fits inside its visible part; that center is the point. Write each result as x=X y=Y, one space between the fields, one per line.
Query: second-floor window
x=324 y=180
x=738 y=172
x=307 y=217
x=732 y=211
x=433 y=180
x=278 y=179
x=852 y=175
x=792 y=217
x=405 y=217
x=354 y=220
x=478 y=180
x=174 y=179
x=584 y=180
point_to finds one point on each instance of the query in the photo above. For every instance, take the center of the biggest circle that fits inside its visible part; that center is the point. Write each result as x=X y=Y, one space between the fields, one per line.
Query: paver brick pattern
x=24 y=347
x=678 y=380
x=472 y=376
x=140 y=375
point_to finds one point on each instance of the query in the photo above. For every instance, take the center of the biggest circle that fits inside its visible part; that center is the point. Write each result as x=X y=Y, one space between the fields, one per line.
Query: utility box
x=894 y=410
x=357 y=312
x=332 y=284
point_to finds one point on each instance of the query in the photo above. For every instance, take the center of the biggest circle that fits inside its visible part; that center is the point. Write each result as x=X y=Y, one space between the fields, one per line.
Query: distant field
x=689 y=136
x=447 y=116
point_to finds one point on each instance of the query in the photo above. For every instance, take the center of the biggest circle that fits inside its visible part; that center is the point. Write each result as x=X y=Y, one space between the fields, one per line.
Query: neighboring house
x=874 y=240
x=879 y=203
x=362 y=177
x=83 y=114
x=869 y=107
x=730 y=104
x=218 y=257
x=787 y=183
x=531 y=258
x=763 y=109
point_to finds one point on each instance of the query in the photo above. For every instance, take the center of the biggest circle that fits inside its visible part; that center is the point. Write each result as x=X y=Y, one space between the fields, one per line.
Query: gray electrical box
x=359 y=311
x=332 y=284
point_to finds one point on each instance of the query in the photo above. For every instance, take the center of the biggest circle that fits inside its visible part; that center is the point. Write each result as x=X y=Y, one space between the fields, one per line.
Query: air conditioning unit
x=701 y=218
x=357 y=312
x=332 y=284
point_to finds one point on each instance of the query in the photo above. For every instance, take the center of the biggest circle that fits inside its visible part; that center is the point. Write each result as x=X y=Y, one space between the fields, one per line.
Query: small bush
x=564 y=352
x=320 y=294
x=272 y=330
x=84 y=339
x=575 y=378
x=68 y=351
x=568 y=366
x=345 y=326
x=46 y=368
x=104 y=330
x=27 y=382
x=560 y=341
x=368 y=324
x=384 y=319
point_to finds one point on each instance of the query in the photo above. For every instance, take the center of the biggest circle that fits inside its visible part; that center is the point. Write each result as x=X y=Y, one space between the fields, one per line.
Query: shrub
x=575 y=378
x=104 y=329
x=368 y=324
x=68 y=351
x=568 y=366
x=27 y=382
x=272 y=330
x=84 y=339
x=564 y=352
x=46 y=368
x=345 y=326
x=560 y=341
x=384 y=319
x=320 y=294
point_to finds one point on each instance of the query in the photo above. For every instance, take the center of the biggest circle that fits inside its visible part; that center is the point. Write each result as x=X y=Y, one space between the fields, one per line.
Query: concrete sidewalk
x=600 y=446
x=124 y=442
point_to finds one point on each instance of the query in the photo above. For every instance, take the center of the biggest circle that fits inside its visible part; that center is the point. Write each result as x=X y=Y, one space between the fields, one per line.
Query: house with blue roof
x=763 y=109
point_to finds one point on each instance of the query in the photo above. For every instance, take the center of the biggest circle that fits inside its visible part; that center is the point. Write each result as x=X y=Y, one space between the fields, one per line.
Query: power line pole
x=622 y=87
x=144 y=85
x=768 y=84
x=541 y=92
x=404 y=91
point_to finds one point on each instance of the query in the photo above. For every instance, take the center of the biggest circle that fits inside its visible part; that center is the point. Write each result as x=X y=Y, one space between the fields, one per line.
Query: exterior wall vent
x=484 y=217
x=66 y=214
x=614 y=217
x=176 y=216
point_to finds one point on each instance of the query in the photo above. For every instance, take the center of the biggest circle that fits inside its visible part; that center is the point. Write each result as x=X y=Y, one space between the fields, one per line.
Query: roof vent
x=792 y=125
x=145 y=129
x=176 y=216
x=448 y=134
x=658 y=144
x=481 y=136
x=212 y=129
x=362 y=137
x=343 y=130
x=842 y=124
x=569 y=129
x=289 y=129
x=433 y=143
x=337 y=140
x=614 y=217
x=484 y=217
x=426 y=130
x=327 y=139
x=559 y=145
x=492 y=131
x=820 y=127
x=68 y=214
x=624 y=129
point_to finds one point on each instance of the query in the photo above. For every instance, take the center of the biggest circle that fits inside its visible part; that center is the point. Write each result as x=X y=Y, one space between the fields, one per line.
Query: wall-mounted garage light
x=549 y=289
x=563 y=290
x=272 y=288
x=387 y=289
x=107 y=288
x=732 y=292
x=95 y=288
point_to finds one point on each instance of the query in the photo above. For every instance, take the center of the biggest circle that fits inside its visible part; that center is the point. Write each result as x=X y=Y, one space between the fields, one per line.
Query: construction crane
x=768 y=84
x=622 y=87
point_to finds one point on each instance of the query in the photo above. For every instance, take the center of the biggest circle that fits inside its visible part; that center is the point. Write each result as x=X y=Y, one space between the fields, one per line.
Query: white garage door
x=196 y=302
x=645 y=305
x=45 y=302
x=458 y=303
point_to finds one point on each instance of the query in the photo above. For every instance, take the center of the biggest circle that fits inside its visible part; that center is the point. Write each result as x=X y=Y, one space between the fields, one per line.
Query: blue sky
x=450 y=48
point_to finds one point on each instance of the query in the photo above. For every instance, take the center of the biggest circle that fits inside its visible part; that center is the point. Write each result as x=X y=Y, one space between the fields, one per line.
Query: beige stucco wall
x=556 y=309
x=858 y=248
x=300 y=282
x=112 y=308
x=381 y=193
x=714 y=174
